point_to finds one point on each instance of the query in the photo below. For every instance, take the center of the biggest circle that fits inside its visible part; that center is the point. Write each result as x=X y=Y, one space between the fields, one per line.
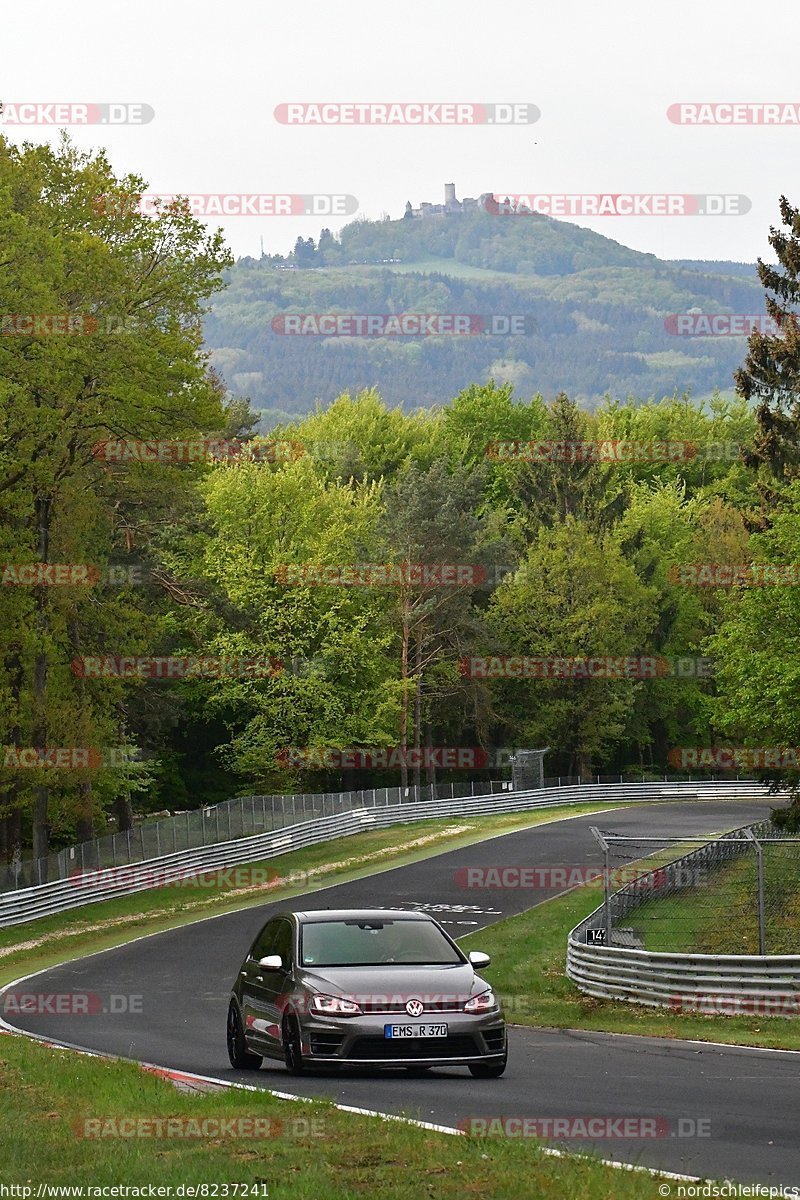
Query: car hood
x=395 y=983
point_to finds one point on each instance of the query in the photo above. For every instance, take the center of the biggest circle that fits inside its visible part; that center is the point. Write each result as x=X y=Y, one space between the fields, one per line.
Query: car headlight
x=481 y=1004
x=335 y=1006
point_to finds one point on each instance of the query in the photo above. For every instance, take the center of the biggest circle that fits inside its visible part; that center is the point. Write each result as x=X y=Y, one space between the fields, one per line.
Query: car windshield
x=367 y=943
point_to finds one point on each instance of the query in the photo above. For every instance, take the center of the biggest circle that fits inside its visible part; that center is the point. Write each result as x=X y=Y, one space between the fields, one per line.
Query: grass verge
x=721 y=917
x=528 y=955
x=311 y=1150
x=48 y=941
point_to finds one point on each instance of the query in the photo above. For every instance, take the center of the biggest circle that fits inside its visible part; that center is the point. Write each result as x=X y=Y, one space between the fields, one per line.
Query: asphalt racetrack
x=750 y=1097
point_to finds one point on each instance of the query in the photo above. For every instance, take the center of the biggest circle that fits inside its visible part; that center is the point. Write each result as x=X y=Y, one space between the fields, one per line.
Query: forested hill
x=596 y=314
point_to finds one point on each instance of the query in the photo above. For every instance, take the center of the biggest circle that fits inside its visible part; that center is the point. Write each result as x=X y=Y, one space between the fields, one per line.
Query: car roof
x=358 y=914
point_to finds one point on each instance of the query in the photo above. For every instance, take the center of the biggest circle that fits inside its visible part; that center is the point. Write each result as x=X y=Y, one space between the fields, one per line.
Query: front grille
x=454 y=1046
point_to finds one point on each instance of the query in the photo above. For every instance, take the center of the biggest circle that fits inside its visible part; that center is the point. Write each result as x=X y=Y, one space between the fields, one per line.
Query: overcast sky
x=603 y=76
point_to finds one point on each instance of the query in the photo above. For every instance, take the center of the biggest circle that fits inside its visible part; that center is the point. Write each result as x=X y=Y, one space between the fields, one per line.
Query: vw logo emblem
x=415 y=1008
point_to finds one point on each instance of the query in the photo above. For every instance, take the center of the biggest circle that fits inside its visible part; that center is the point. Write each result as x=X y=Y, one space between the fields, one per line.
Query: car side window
x=265 y=942
x=283 y=944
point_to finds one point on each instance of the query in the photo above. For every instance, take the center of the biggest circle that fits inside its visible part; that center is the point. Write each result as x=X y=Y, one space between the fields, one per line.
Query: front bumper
x=361 y=1040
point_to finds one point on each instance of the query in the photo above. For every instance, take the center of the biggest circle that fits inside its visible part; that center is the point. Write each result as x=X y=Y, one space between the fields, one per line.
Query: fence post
x=606 y=882
x=762 y=928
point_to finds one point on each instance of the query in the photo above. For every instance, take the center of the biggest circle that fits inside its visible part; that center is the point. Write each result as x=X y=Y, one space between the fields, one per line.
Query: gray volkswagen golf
x=364 y=987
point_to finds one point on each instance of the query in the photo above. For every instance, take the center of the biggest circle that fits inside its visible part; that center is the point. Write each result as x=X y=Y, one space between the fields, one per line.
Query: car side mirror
x=272 y=962
x=479 y=959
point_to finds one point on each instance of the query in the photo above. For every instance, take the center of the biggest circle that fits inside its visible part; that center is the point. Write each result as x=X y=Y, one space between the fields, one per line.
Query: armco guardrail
x=27 y=904
x=724 y=983
x=243 y=816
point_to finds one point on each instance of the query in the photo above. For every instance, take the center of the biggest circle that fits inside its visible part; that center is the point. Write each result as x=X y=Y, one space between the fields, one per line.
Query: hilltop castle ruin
x=451 y=206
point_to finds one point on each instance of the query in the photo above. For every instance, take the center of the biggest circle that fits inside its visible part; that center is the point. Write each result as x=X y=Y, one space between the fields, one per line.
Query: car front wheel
x=240 y=1056
x=488 y=1070
x=292 y=1046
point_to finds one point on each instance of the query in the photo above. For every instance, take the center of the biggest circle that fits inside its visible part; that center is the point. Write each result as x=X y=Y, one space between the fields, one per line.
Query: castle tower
x=450 y=194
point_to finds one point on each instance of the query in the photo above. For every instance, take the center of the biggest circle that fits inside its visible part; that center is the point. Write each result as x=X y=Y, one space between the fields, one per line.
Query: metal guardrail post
x=606 y=881
x=762 y=924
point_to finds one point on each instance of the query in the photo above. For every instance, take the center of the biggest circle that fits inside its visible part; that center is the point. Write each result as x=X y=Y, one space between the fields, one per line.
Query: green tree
x=574 y=596
x=345 y=694
x=770 y=374
x=432 y=517
x=133 y=287
x=757 y=650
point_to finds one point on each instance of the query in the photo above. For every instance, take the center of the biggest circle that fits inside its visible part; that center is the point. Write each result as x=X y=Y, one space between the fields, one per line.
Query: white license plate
x=415 y=1031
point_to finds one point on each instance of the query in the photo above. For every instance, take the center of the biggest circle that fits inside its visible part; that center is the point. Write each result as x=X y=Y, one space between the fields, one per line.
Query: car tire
x=488 y=1070
x=292 y=1046
x=240 y=1056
